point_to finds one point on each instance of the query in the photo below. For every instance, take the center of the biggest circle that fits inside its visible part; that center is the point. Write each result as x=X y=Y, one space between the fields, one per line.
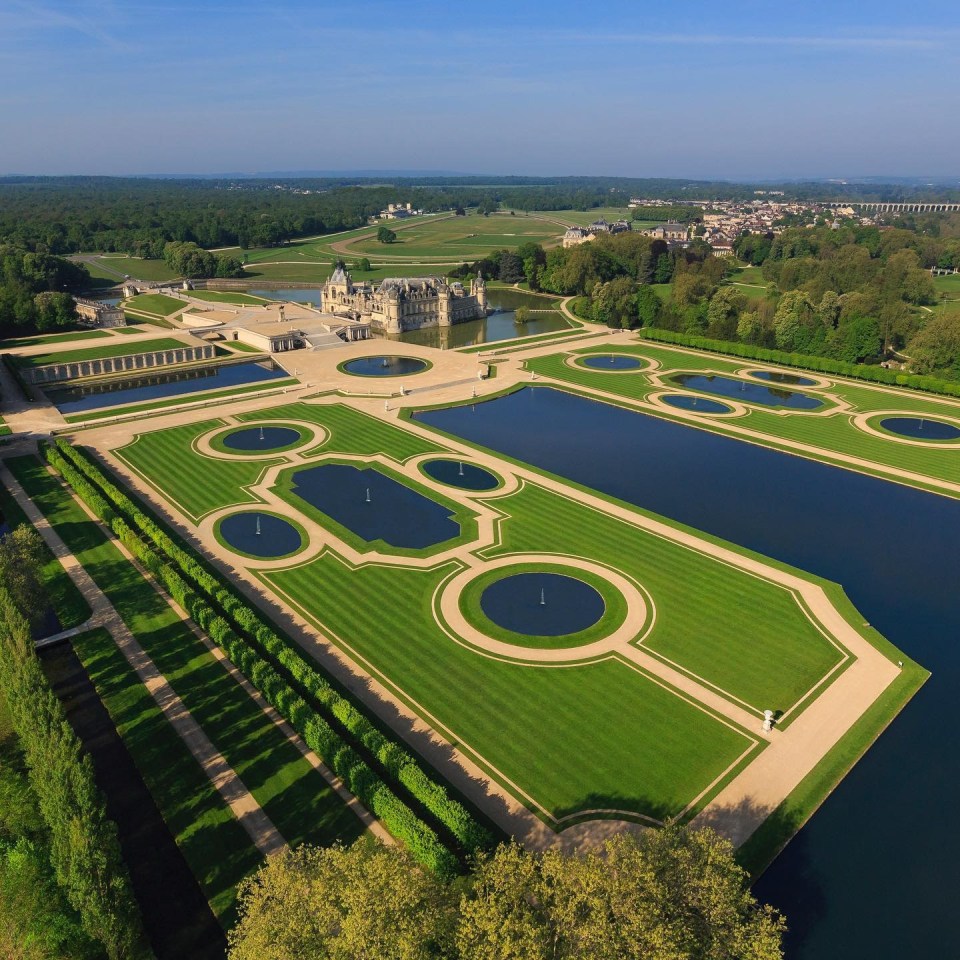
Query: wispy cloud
x=90 y=20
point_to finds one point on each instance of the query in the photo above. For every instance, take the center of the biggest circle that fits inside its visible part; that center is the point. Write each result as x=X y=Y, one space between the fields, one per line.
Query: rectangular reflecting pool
x=874 y=874
x=160 y=385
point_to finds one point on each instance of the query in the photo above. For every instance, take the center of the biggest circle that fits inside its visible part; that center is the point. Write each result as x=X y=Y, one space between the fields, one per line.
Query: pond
x=456 y=473
x=260 y=534
x=921 y=428
x=875 y=872
x=157 y=386
x=375 y=506
x=610 y=361
x=747 y=392
x=384 y=366
x=684 y=401
x=775 y=376
x=293 y=294
x=499 y=325
x=543 y=604
x=260 y=439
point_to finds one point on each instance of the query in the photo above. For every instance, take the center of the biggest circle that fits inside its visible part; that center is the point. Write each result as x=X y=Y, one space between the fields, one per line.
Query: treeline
x=670 y=894
x=189 y=260
x=35 y=290
x=64 y=889
x=391 y=783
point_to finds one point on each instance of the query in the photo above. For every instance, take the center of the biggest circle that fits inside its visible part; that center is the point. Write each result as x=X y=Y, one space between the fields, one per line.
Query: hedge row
x=397 y=764
x=84 y=850
x=858 y=371
x=276 y=688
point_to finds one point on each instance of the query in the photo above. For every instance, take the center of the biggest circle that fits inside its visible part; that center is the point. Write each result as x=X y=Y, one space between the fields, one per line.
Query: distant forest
x=65 y=215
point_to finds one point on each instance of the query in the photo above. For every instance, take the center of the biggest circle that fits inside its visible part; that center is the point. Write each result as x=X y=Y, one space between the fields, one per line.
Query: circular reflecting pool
x=384 y=366
x=684 y=401
x=261 y=438
x=774 y=376
x=260 y=534
x=456 y=473
x=611 y=361
x=542 y=604
x=921 y=428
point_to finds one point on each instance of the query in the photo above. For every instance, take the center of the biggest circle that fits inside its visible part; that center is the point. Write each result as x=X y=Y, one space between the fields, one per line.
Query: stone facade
x=94 y=313
x=101 y=367
x=400 y=304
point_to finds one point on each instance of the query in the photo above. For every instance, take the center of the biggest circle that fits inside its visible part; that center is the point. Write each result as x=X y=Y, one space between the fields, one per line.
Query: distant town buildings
x=400 y=304
x=671 y=231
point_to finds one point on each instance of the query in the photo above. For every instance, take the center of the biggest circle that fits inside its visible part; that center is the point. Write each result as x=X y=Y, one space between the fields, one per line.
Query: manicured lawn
x=949 y=285
x=134 y=267
x=226 y=296
x=600 y=735
x=159 y=304
x=296 y=797
x=67 y=601
x=115 y=348
x=215 y=846
x=195 y=483
x=44 y=339
x=242 y=347
x=834 y=434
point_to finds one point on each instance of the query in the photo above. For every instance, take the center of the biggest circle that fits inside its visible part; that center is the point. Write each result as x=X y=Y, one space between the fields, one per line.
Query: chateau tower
x=443 y=304
x=478 y=289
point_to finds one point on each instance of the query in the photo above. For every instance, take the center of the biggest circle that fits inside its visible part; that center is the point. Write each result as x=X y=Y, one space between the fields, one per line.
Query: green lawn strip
x=5 y=431
x=832 y=434
x=745 y=636
x=126 y=331
x=226 y=296
x=43 y=340
x=167 y=459
x=104 y=351
x=136 y=316
x=134 y=267
x=498 y=346
x=241 y=347
x=159 y=304
x=777 y=830
x=464 y=516
x=67 y=601
x=351 y=431
x=216 y=847
x=298 y=800
x=107 y=412
x=598 y=735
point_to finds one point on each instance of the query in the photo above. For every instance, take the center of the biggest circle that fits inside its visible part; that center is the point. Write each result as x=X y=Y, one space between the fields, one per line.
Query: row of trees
x=64 y=889
x=189 y=260
x=672 y=894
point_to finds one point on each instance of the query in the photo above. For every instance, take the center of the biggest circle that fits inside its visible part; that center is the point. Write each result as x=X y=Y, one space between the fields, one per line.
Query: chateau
x=399 y=304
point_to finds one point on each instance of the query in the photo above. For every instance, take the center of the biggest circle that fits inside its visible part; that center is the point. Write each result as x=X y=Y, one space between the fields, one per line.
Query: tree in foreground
x=671 y=894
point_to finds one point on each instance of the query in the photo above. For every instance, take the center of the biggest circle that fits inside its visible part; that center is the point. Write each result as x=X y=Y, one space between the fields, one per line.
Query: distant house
x=575 y=236
x=95 y=313
x=670 y=231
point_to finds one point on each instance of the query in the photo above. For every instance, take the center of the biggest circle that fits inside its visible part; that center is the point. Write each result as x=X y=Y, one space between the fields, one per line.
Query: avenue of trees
x=64 y=889
x=672 y=894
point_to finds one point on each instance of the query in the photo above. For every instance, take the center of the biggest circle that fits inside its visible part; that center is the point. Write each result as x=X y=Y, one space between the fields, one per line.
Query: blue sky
x=693 y=89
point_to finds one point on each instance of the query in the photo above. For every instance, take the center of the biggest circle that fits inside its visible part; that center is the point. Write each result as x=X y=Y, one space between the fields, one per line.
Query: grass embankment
x=296 y=798
x=156 y=304
x=228 y=296
x=104 y=351
x=42 y=340
x=830 y=435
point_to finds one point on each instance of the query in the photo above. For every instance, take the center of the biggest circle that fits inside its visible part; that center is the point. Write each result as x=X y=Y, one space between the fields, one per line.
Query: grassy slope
x=111 y=264
x=832 y=434
x=226 y=296
x=158 y=304
x=295 y=796
x=43 y=340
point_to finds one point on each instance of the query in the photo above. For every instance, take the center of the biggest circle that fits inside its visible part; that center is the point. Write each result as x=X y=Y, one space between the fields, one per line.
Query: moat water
x=375 y=506
x=875 y=872
x=544 y=604
x=293 y=294
x=747 y=392
x=159 y=386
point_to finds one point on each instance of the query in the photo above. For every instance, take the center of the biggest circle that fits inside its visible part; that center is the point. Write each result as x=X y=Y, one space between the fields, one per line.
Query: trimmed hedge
x=274 y=666
x=857 y=371
x=84 y=850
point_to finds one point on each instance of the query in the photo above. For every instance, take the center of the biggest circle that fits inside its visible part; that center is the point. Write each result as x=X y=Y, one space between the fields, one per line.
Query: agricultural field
x=835 y=433
x=558 y=742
